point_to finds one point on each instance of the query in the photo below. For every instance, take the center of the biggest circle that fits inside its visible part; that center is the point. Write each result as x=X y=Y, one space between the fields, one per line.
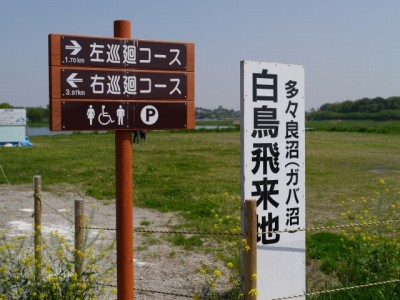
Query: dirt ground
x=158 y=265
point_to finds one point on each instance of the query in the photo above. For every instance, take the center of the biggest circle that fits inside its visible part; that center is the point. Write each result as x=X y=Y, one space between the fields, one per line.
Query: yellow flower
x=229 y=265
x=74 y=276
x=217 y=273
x=203 y=272
x=253 y=292
x=382 y=181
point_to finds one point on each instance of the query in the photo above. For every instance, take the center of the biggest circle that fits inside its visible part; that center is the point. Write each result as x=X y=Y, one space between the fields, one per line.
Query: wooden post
x=79 y=236
x=124 y=196
x=37 y=185
x=250 y=251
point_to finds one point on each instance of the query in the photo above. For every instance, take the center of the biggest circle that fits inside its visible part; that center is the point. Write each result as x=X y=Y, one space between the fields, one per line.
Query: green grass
x=196 y=173
x=191 y=172
x=227 y=122
x=356 y=262
x=173 y=171
x=188 y=243
x=340 y=166
x=368 y=126
x=327 y=247
x=41 y=124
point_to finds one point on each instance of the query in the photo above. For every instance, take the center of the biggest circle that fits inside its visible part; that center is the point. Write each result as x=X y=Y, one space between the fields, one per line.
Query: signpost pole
x=124 y=196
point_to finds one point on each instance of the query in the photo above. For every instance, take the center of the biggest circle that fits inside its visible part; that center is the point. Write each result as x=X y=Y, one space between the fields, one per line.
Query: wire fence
x=222 y=234
x=319 y=228
x=309 y=229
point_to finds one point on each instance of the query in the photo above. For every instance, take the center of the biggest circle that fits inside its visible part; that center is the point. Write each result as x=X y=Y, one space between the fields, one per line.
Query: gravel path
x=159 y=266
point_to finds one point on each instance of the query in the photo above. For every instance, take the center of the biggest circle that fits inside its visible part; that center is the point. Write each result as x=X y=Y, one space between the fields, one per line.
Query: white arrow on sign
x=72 y=80
x=75 y=47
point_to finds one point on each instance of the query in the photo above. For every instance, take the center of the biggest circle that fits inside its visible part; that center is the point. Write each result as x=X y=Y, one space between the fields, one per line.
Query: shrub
x=364 y=254
x=58 y=278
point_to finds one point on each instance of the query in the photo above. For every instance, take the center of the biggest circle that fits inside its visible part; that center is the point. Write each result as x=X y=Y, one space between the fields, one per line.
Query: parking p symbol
x=149 y=115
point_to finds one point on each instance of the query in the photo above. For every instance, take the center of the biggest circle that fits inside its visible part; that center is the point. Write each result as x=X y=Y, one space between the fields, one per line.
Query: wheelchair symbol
x=104 y=118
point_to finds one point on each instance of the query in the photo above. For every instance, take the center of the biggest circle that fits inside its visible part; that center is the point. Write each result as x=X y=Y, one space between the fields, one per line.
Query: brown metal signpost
x=121 y=84
x=124 y=196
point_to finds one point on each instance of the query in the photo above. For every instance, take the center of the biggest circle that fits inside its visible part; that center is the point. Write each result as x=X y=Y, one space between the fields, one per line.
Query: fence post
x=79 y=236
x=37 y=186
x=250 y=251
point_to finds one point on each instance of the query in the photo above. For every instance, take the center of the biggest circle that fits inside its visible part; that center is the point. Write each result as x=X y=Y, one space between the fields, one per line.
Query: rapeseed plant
x=372 y=253
x=59 y=281
x=208 y=289
x=227 y=221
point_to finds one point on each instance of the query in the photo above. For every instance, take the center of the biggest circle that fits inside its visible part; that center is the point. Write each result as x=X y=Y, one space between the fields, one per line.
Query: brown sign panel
x=159 y=115
x=98 y=52
x=94 y=115
x=156 y=55
x=74 y=83
x=67 y=50
x=120 y=115
x=120 y=84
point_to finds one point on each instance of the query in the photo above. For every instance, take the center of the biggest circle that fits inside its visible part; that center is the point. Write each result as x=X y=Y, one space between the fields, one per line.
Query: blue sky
x=350 y=49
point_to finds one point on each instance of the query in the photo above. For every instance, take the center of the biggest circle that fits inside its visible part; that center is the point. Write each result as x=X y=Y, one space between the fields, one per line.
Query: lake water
x=34 y=131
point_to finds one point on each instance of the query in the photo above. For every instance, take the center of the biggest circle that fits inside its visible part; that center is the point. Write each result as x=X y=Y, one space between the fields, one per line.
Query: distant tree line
x=378 y=108
x=219 y=113
x=33 y=114
x=41 y=115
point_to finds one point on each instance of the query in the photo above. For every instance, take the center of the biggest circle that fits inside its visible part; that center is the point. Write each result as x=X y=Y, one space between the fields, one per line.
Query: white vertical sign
x=273 y=172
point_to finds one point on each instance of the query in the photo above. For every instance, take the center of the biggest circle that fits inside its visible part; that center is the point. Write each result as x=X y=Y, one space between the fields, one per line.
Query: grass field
x=391 y=127
x=184 y=172
x=198 y=173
